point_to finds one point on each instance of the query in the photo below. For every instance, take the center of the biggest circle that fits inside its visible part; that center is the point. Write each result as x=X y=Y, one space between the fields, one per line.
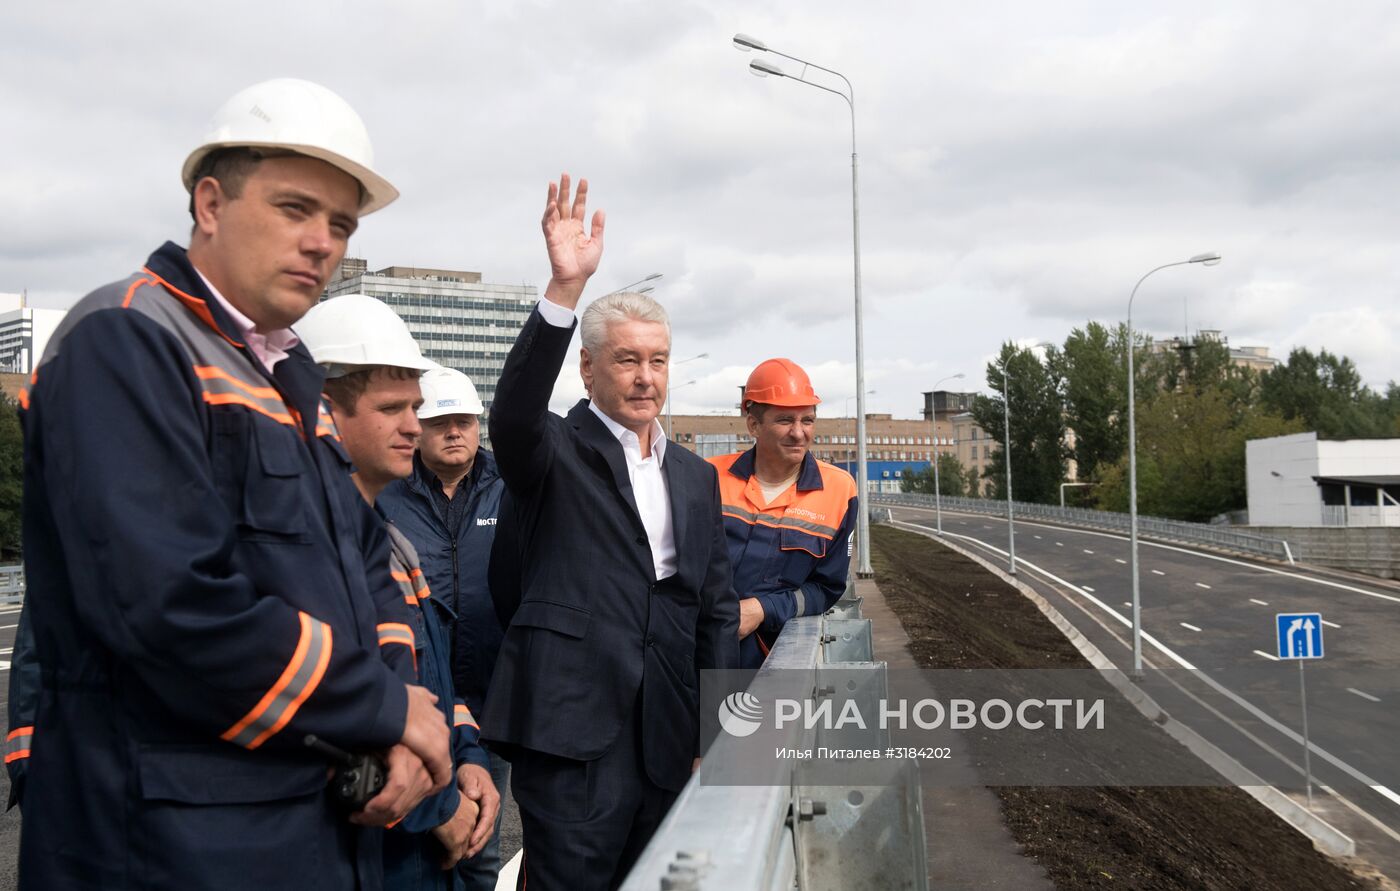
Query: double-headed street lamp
x=933 y=422
x=1209 y=258
x=641 y=281
x=763 y=69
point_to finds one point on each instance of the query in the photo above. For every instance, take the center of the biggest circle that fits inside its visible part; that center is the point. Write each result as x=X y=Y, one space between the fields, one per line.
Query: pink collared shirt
x=270 y=348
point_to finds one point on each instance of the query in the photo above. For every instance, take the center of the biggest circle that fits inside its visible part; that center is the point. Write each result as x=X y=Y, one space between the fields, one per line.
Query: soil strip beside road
x=959 y=616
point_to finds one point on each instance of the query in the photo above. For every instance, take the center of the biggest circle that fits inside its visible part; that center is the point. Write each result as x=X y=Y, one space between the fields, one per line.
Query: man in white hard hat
x=204 y=579
x=372 y=366
x=448 y=508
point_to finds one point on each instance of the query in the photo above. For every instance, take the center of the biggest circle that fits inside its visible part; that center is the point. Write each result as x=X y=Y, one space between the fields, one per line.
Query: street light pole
x=763 y=69
x=1006 y=415
x=933 y=423
x=1206 y=259
x=671 y=390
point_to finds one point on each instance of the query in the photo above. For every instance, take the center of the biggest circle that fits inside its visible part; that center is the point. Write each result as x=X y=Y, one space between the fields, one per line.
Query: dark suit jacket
x=591 y=634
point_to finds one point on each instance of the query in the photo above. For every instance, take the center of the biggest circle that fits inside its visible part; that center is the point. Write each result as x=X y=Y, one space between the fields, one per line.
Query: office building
x=458 y=320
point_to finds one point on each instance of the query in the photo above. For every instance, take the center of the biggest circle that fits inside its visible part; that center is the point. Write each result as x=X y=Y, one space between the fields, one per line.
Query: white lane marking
x=1363 y=695
x=1116 y=560
x=6 y=651
x=1127 y=603
x=1270 y=656
x=4 y=666
x=1166 y=547
x=1383 y=791
x=1059 y=544
x=1191 y=627
x=1087 y=551
x=1037 y=536
x=1203 y=585
x=10 y=626
x=1260 y=602
x=1330 y=624
x=986 y=527
x=1087 y=588
x=1158 y=572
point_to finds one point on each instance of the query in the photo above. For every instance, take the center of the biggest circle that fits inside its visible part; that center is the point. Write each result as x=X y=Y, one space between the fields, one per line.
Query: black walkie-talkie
x=357 y=779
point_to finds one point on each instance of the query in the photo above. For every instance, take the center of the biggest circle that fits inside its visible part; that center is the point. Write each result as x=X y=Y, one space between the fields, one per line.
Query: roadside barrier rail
x=791 y=835
x=1221 y=537
x=11 y=582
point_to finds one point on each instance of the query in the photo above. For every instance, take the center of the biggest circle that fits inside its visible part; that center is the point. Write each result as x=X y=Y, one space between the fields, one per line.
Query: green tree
x=1037 y=425
x=1326 y=394
x=11 y=478
x=1092 y=366
x=1191 y=445
x=952 y=477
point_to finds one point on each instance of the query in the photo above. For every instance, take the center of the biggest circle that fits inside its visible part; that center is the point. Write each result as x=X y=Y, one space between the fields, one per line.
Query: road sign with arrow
x=1299 y=635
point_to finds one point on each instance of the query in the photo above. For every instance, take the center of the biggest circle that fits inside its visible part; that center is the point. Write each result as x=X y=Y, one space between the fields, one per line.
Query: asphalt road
x=1209 y=648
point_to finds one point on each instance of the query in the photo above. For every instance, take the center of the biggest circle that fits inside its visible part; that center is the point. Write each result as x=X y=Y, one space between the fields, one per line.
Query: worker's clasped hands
x=419 y=765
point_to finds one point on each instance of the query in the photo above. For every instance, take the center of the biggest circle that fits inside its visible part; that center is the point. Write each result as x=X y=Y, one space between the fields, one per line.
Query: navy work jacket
x=204 y=589
x=456 y=565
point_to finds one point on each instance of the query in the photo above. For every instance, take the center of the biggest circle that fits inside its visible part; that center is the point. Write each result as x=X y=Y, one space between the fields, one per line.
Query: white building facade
x=1300 y=480
x=24 y=333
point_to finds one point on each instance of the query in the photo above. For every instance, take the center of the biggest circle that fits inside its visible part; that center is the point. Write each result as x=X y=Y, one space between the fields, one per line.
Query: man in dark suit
x=619 y=591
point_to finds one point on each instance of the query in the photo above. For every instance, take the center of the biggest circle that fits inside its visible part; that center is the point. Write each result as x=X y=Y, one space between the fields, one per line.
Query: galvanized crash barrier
x=1148 y=527
x=790 y=834
x=11 y=583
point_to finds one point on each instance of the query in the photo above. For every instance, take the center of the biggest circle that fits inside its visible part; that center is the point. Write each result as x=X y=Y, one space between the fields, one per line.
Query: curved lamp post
x=746 y=43
x=1207 y=259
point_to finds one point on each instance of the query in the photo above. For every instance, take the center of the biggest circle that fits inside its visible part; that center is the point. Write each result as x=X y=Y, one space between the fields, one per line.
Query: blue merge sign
x=1299 y=635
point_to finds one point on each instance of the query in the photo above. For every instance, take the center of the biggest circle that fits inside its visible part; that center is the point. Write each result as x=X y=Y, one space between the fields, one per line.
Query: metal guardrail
x=1148 y=527
x=11 y=583
x=789 y=835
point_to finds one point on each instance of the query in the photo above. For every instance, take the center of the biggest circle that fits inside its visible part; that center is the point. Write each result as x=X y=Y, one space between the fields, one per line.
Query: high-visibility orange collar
x=808 y=479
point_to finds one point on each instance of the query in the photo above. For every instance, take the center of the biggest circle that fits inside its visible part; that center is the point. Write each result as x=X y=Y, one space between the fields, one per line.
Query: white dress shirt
x=649 y=486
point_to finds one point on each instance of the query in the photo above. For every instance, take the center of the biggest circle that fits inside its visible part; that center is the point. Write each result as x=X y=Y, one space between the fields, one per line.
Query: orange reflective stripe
x=297 y=682
x=462 y=716
x=395 y=632
x=214 y=372
x=131 y=291
x=193 y=304
x=235 y=399
x=399 y=633
x=17 y=743
x=24 y=398
x=420 y=584
x=223 y=388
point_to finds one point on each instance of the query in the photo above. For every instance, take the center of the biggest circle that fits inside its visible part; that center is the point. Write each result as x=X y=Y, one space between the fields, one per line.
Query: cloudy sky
x=1021 y=163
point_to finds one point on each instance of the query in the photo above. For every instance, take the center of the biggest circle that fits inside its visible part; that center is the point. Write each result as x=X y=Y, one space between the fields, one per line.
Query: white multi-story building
x=458 y=320
x=24 y=333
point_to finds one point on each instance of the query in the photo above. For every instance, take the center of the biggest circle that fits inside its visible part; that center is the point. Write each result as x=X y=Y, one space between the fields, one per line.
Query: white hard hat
x=302 y=117
x=447 y=391
x=353 y=330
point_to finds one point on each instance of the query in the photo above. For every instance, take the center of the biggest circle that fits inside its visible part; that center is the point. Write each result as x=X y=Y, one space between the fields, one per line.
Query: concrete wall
x=1371 y=550
x=1279 y=475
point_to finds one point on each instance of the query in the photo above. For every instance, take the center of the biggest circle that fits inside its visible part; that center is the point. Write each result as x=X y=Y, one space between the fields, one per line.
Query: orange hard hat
x=780 y=382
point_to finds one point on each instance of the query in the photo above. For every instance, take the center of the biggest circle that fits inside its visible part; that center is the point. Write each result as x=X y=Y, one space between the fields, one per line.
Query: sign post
x=1300 y=638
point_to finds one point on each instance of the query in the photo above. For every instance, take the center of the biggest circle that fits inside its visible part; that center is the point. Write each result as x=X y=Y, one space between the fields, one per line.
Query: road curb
x=1324 y=836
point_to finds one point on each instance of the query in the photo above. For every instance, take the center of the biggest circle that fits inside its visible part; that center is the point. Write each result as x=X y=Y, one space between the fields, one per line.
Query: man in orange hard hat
x=787 y=516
